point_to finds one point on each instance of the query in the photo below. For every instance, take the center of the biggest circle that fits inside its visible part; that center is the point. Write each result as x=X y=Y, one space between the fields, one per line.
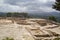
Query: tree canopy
x=16 y=14
x=52 y=18
x=57 y=5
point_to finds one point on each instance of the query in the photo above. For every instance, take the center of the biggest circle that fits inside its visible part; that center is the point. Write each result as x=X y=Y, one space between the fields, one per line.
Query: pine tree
x=57 y=5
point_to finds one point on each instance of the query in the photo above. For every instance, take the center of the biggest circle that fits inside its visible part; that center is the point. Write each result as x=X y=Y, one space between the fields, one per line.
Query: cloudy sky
x=26 y=5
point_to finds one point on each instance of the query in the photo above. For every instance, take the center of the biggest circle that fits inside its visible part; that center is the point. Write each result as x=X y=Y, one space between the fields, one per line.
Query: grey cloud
x=26 y=5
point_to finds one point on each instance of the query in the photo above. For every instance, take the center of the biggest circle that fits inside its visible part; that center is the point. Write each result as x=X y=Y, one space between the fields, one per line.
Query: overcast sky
x=26 y=5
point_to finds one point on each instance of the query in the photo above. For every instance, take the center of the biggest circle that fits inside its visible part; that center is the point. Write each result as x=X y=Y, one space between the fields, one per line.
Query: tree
x=52 y=18
x=9 y=14
x=25 y=14
x=17 y=14
x=22 y=14
x=57 y=5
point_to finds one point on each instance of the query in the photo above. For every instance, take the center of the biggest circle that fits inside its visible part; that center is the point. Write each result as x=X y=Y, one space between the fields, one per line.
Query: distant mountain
x=39 y=15
x=2 y=14
x=45 y=15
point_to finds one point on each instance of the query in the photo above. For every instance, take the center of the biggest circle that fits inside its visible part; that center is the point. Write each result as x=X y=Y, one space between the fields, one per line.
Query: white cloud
x=47 y=9
x=43 y=1
x=26 y=5
x=11 y=8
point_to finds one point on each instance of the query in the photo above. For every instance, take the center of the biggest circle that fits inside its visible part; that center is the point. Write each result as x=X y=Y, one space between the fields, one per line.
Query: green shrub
x=52 y=18
x=7 y=38
x=57 y=39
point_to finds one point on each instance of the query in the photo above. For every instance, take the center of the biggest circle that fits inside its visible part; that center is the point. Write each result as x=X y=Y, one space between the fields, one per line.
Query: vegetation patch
x=8 y=38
